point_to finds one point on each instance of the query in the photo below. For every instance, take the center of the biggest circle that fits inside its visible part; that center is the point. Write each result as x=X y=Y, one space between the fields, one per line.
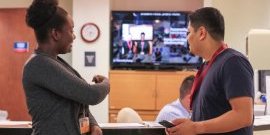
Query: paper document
x=267 y=83
x=262 y=120
x=15 y=124
x=152 y=124
x=120 y=125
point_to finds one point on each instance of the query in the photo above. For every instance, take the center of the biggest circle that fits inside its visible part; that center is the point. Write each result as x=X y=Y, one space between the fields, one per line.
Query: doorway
x=14 y=29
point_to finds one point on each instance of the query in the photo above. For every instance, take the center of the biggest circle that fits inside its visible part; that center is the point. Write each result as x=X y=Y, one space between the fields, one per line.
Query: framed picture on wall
x=90 y=59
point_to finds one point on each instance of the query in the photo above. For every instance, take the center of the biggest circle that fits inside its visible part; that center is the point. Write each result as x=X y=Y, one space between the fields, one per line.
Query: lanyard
x=203 y=71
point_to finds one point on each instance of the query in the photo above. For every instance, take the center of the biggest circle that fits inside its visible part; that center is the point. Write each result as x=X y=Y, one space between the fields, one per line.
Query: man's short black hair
x=211 y=19
x=186 y=86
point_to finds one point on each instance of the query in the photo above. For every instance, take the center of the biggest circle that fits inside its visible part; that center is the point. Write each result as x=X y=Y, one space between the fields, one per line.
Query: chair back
x=128 y=115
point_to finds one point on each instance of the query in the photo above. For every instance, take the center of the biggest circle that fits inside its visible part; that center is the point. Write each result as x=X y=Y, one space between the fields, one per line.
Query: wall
x=159 y=5
x=84 y=12
x=258 y=48
x=14 y=3
x=66 y=4
x=241 y=16
x=268 y=14
x=97 y=12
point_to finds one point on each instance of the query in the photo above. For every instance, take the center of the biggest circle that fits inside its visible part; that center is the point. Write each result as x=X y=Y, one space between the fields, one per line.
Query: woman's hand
x=98 y=78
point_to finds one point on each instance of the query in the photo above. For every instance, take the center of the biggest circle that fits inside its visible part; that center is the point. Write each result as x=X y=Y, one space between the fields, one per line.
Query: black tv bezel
x=148 y=66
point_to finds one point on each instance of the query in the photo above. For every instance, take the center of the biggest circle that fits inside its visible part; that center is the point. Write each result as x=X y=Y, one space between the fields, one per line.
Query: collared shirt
x=173 y=111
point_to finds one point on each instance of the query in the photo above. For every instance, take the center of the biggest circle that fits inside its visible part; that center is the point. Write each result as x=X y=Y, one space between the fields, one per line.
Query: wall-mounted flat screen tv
x=150 y=40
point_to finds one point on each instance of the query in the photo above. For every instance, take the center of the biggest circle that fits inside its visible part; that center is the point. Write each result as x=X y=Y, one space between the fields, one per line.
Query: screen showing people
x=150 y=37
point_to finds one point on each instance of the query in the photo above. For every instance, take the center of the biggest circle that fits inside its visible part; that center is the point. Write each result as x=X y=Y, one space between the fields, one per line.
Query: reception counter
x=107 y=129
x=260 y=128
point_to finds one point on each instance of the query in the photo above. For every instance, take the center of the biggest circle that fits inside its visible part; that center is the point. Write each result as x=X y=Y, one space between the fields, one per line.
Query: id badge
x=84 y=125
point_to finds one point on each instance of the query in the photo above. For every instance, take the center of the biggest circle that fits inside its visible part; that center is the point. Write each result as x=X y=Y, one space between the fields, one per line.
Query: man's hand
x=183 y=127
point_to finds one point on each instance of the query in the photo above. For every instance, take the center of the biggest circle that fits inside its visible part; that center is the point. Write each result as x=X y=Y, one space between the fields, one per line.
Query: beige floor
x=265 y=132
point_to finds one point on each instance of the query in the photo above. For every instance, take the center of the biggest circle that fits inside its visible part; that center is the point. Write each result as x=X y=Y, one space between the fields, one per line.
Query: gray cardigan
x=57 y=95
